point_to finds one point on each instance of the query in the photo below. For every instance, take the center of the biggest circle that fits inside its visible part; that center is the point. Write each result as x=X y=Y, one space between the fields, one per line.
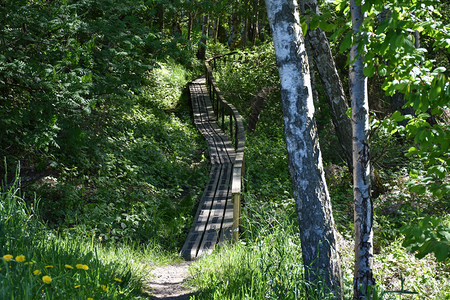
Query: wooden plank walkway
x=213 y=221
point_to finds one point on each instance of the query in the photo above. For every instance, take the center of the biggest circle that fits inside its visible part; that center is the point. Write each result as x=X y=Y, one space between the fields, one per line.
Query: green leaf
x=325 y=26
x=418 y=189
x=346 y=42
x=398 y=117
x=314 y=23
x=369 y=70
x=382 y=70
x=400 y=85
x=445 y=235
x=304 y=26
x=439 y=70
x=349 y=112
x=441 y=251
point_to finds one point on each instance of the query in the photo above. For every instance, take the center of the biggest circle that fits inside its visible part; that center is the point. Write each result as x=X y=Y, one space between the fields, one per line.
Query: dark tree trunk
x=201 y=52
x=160 y=14
x=317 y=41
x=234 y=34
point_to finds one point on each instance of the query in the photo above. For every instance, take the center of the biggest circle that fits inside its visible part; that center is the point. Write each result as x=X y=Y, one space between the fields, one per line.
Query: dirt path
x=167 y=282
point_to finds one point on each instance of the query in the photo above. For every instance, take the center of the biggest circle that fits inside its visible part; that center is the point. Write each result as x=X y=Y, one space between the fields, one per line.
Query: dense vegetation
x=95 y=122
x=270 y=247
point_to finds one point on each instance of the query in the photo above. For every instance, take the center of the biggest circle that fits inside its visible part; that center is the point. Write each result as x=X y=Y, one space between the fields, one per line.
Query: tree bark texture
x=317 y=41
x=363 y=209
x=318 y=237
x=234 y=34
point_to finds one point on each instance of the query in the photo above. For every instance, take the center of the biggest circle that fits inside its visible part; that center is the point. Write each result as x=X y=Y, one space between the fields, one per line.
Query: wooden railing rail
x=229 y=119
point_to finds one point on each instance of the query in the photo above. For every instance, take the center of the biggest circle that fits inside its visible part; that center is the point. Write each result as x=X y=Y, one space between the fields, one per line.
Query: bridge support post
x=236 y=215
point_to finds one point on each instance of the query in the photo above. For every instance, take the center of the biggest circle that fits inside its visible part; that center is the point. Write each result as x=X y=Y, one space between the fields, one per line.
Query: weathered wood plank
x=195 y=236
x=214 y=208
x=214 y=224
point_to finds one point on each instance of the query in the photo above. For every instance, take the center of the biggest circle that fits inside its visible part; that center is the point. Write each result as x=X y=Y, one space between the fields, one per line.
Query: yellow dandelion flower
x=104 y=288
x=118 y=279
x=84 y=267
x=37 y=272
x=29 y=263
x=49 y=267
x=8 y=257
x=68 y=266
x=46 y=279
x=20 y=258
x=79 y=266
x=90 y=298
x=77 y=286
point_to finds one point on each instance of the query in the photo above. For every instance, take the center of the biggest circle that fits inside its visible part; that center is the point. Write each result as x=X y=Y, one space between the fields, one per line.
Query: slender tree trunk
x=363 y=218
x=190 y=21
x=160 y=13
x=255 y=21
x=176 y=27
x=245 y=31
x=201 y=52
x=317 y=41
x=216 y=29
x=318 y=237
x=311 y=71
x=234 y=34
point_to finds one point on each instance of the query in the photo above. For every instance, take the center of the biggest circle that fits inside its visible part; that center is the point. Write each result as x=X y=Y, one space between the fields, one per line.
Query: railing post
x=218 y=103
x=223 y=117
x=236 y=214
x=231 y=131
x=236 y=132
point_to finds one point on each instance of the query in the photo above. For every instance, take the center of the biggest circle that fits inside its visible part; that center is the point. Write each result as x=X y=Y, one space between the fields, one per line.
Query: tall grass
x=37 y=264
x=266 y=265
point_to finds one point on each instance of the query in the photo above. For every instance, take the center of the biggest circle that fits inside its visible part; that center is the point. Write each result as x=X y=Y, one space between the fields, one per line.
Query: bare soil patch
x=166 y=282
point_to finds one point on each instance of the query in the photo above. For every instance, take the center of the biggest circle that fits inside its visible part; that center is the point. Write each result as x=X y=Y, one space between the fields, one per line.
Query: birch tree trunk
x=318 y=237
x=363 y=218
x=317 y=41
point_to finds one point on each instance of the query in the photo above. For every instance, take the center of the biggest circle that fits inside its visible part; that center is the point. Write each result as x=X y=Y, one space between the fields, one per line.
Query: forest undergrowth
x=135 y=211
x=122 y=206
x=266 y=263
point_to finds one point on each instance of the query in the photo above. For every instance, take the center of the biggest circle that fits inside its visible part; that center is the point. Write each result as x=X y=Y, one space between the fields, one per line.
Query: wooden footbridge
x=217 y=217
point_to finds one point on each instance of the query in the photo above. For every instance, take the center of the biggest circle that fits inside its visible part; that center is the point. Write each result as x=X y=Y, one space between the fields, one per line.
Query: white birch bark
x=363 y=210
x=318 y=237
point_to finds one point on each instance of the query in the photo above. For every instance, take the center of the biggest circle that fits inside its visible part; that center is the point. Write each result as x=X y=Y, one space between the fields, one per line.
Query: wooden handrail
x=228 y=113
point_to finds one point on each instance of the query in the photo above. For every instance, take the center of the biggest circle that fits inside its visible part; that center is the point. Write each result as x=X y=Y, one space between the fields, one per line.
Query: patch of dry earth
x=167 y=282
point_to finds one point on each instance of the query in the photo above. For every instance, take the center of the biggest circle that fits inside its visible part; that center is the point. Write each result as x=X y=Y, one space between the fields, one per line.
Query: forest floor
x=167 y=282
